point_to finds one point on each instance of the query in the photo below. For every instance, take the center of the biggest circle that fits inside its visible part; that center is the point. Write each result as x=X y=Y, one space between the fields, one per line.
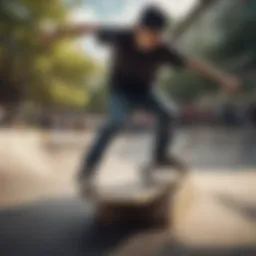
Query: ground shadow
x=181 y=250
x=65 y=227
x=58 y=227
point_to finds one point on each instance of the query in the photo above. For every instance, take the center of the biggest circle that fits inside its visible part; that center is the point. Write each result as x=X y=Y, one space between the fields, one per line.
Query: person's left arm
x=227 y=81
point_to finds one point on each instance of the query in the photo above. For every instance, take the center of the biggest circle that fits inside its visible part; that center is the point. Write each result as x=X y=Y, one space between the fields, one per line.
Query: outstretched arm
x=74 y=31
x=227 y=81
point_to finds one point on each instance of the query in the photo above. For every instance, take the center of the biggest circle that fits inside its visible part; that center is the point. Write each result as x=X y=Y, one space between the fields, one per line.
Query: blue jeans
x=121 y=106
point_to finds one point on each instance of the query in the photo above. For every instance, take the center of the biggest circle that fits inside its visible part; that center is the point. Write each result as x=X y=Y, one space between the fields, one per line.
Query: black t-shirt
x=134 y=70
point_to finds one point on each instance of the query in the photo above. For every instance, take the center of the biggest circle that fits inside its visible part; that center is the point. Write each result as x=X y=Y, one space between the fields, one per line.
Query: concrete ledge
x=137 y=205
x=151 y=213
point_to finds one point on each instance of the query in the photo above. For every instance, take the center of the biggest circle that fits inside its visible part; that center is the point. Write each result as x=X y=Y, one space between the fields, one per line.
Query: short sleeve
x=173 y=57
x=109 y=36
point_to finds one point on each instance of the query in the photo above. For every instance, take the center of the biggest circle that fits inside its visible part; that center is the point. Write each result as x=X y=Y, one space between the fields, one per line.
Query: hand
x=230 y=83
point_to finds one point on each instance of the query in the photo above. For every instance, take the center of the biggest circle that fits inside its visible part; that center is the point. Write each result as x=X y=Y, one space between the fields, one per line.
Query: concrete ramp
x=216 y=209
x=209 y=208
x=28 y=170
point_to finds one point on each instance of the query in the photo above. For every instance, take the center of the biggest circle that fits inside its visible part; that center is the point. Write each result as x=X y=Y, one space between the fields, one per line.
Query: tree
x=57 y=75
x=225 y=34
x=237 y=49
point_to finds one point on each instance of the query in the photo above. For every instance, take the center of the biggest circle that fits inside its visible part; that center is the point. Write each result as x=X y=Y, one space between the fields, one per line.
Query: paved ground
x=214 y=211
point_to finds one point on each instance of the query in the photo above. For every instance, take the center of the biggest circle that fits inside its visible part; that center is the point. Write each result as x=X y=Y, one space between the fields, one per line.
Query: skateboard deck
x=134 y=193
x=137 y=192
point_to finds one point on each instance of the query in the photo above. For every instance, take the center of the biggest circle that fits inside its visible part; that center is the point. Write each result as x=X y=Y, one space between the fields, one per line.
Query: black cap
x=153 y=18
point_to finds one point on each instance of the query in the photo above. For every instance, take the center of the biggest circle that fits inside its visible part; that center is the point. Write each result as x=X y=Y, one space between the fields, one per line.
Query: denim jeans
x=121 y=106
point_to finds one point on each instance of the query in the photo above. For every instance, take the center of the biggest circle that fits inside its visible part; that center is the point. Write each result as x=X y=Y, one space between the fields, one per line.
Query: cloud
x=121 y=15
x=131 y=8
x=128 y=12
x=79 y=15
x=176 y=8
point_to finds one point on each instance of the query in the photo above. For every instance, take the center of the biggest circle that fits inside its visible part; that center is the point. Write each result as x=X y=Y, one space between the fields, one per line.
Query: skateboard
x=140 y=202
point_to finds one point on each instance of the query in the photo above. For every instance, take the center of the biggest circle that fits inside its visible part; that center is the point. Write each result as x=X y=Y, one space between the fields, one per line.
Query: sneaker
x=172 y=161
x=86 y=188
x=85 y=184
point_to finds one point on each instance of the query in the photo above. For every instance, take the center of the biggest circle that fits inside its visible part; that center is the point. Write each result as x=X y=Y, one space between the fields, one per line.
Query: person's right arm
x=74 y=31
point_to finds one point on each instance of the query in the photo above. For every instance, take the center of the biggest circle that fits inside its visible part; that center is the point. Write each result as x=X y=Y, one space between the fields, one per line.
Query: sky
x=125 y=11
x=121 y=12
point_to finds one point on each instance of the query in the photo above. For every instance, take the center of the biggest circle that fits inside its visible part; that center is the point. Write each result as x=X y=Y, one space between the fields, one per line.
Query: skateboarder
x=138 y=54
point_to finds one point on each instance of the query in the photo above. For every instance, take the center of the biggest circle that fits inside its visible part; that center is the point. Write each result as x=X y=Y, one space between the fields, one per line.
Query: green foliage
x=31 y=71
x=226 y=36
x=238 y=44
x=186 y=86
x=238 y=28
x=60 y=75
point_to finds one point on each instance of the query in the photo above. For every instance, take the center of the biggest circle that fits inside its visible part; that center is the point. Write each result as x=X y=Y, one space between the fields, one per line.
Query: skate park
x=53 y=100
x=214 y=208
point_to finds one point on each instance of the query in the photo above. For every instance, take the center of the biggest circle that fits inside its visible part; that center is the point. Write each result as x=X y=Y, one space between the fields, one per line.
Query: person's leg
x=118 y=112
x=166 y=113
